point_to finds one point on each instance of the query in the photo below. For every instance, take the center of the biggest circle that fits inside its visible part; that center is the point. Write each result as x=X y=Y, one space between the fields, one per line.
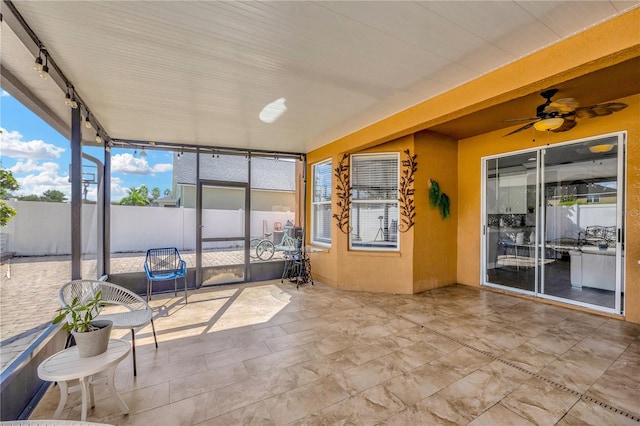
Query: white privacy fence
x=569 y=221
x=44 y=229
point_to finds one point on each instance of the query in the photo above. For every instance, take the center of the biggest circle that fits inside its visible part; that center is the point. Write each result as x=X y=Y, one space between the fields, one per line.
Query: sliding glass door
x=510 y=221
x=553 y=222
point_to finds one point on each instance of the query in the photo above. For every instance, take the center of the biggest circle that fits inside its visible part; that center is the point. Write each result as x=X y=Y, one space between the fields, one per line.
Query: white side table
x=67 y=365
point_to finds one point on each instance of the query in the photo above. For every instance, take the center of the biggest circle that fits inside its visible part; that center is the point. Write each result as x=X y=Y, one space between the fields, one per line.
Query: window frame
x=316 y=204
x=394 y=201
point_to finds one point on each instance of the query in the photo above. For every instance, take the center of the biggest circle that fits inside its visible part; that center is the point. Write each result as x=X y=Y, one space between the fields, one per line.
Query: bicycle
x=265 y=248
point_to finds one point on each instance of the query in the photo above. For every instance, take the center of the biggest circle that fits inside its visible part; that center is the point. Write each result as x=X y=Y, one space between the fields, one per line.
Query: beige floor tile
x=584 y=413
x=269 y=354
x=188 y=386
x=255 y=389
x=147 y=398
x=188 y=411
x=289 y=341
x=369 y=374
x=577 y=369
x=302 y=401
x=619 y=385
x=255 y=414
x=276 y=360
x=540 y=402
x=529 y=357
x=480 y=390
x=500 y=415
x=317 y=368
x=367 y=408
x=412 y=388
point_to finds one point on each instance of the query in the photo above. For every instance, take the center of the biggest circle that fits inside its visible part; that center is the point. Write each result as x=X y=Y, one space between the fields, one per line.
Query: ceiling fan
x=560 y=115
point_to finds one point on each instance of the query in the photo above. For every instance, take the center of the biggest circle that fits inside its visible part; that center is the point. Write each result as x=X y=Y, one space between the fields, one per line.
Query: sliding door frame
x=540 y=218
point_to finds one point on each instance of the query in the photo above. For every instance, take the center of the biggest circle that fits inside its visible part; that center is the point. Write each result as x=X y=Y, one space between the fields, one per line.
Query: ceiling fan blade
x=525 y=127
x=562 y=106
x=520 y=119
x=600 y=109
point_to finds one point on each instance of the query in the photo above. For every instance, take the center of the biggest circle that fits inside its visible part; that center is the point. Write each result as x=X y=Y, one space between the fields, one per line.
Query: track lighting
x=143 y=153
x=108 y=146
x=98 y=138
x=37 y=67
x=135 y=152
x=87 y=122
x=44 y=72
x=70 y=100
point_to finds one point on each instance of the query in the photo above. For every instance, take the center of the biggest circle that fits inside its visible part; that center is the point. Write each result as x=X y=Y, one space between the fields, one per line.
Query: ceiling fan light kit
x=560 y=115
x=548 y=124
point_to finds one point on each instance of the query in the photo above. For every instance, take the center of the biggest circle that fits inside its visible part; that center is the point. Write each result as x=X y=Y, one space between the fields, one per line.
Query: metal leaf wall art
x=407 y=206
x=343 y=193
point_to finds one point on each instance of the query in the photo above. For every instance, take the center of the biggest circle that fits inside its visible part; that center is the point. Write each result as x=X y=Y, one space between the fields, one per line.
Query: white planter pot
x=92 y=343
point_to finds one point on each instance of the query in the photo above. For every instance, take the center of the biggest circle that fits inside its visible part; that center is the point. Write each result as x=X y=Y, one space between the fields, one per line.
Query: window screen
x=374 y=201
x=321 y=203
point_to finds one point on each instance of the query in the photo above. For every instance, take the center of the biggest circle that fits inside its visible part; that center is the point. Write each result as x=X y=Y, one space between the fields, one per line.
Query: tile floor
x=269 y=354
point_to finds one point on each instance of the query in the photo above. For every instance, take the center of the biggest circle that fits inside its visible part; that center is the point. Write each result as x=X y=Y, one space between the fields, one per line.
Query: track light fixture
x=87 y=122
x=98 y=138
x=143 y=153
x=70 y=100
x=44 y=72
x=37 y=67
x=108 y=146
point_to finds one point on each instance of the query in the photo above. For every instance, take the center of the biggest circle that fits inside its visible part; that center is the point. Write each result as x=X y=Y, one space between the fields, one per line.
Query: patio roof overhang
x=198 y=74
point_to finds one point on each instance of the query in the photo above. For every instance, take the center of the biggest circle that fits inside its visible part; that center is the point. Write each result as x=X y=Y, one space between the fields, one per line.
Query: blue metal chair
x=163 y=264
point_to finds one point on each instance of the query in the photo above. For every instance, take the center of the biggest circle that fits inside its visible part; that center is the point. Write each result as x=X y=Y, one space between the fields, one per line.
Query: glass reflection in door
x=580 y=222
x=510 y=221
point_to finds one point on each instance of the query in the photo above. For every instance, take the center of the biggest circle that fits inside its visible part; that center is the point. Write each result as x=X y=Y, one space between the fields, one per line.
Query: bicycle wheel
x=253 y=246
x=265 y=250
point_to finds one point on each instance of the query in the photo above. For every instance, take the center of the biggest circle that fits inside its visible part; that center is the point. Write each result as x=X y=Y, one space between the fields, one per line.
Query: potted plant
x=92 y=337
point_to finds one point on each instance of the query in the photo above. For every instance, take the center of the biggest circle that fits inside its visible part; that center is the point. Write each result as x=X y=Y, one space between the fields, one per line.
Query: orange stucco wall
x=436 y=252
x=471 y=150
x=388 y=272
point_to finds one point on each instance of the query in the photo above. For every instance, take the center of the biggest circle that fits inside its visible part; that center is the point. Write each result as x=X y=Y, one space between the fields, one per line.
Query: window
x=374 y=201
x=321 y=203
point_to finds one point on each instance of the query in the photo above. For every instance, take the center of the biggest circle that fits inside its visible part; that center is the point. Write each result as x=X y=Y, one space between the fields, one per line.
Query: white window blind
x=374 y=201
x=321 y=203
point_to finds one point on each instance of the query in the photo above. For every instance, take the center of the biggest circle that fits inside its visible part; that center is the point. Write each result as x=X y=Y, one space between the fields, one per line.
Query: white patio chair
x=137 y=314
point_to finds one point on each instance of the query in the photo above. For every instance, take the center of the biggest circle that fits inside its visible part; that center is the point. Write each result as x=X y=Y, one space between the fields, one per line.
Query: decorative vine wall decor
x=439 y=199
x=343 y=192
x=407 y=207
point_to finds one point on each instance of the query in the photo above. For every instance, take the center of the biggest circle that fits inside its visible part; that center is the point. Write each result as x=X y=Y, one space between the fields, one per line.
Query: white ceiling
x=198 y=73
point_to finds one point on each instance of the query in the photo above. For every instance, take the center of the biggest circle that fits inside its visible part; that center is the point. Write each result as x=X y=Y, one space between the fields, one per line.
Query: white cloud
x=5 y=93
x=127 y=163
x=12 y=145
x=162 y=167
x=47 y=179
x=117 y=190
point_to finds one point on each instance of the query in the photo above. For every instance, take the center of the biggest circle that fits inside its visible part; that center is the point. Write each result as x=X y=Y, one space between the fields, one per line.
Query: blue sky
x=39 y=157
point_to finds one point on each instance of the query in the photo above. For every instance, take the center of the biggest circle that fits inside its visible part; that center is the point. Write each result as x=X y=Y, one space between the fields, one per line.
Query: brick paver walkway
x=29 y=290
